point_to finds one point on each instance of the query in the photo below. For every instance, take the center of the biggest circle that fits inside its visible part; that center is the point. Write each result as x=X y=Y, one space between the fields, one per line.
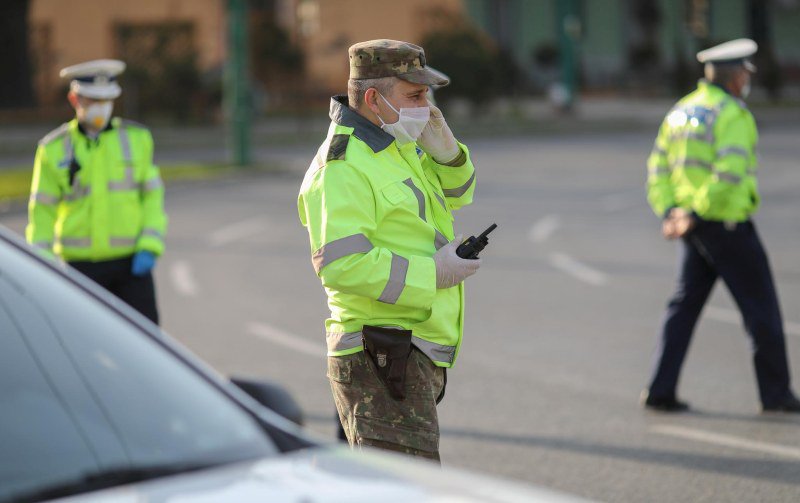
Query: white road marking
x=236 y=231
x=577 y=269
x=285 y=339
x=726 y=440
x=731 y=316
x=544 y=228
x=182 y=279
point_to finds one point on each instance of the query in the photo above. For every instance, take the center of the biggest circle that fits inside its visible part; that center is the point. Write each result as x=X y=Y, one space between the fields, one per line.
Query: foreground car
x=97 y=404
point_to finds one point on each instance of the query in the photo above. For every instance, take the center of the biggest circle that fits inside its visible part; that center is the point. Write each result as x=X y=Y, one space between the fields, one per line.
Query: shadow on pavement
x=745 y=467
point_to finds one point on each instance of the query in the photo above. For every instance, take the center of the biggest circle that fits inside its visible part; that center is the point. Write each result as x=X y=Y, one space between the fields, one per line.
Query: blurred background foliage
x=493 y=50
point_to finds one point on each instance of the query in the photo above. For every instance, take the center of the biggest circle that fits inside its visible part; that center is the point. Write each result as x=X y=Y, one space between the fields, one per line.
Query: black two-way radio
x=470 y=248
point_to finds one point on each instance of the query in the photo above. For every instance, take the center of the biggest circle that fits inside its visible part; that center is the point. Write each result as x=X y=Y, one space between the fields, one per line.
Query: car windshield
x=83 y=390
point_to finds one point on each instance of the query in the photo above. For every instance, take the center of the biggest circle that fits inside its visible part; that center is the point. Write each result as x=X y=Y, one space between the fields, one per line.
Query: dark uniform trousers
x=115 y=276
x=736 y=255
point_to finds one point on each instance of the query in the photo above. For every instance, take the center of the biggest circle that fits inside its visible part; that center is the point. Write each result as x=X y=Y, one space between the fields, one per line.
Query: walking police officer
x=377 y=201
x=97 y=200
x=702 y=181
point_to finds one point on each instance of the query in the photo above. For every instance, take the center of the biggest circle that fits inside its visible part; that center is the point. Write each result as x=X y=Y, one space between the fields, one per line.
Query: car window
x=39 y=441
x=160 y=410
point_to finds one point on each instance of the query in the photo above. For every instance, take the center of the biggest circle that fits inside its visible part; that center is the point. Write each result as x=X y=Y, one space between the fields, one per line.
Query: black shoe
x=667 y=404
x=791 y=404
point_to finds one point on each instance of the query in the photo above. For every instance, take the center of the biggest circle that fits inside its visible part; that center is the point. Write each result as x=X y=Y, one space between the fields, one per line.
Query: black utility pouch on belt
x=389 y=348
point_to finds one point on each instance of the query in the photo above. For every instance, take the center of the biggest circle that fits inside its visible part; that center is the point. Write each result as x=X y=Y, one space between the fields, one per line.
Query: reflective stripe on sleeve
x=659 y=171
x=420 y=197
x=697 y=163
x=460 y=191
x=152 y=184
x=729 y=177
x=397 y=280
x=357 y=243
x=150 y=232
x=41 y=197
x=733 y=151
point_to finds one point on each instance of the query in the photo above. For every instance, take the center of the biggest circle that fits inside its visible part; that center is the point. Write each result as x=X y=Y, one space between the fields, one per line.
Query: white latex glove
x=437 y=139
x=450 y=268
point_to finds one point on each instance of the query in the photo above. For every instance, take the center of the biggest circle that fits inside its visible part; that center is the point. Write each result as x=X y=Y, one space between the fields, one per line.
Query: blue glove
x=143 y=263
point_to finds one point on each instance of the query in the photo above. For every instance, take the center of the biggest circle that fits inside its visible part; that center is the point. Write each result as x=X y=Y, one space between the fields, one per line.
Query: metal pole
x=569 y=32
x=237 y=85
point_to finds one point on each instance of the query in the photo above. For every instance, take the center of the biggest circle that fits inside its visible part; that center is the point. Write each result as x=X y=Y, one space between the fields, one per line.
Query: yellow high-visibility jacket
x=704 y=159
x=376 y=213
x=114 y=206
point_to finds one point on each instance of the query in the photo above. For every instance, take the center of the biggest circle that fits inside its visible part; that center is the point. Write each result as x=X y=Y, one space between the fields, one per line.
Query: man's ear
x=73 y=99
x=371 y=99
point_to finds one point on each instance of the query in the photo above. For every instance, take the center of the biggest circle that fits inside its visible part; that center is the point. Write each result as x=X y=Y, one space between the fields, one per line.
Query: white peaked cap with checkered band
x=96 y=79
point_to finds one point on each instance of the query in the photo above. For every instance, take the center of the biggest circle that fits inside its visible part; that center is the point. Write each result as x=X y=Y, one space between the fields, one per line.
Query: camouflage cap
x=374 y=59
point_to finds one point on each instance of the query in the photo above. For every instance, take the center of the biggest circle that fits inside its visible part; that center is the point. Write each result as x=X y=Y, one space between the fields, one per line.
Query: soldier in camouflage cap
x=378 y=203
x=391 y=58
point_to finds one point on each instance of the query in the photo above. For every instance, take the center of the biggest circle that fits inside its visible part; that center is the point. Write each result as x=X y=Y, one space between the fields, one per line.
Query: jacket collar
x=83 y=131
x=711 y=85
x=364 y=130
x=716 y=87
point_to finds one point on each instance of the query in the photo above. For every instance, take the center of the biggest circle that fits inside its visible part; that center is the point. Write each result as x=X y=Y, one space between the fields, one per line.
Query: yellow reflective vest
x=704 y=159
x=114 y=205
x=376 y=213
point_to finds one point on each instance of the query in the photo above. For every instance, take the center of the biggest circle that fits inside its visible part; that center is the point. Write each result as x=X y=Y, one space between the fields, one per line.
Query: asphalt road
x=560 y=327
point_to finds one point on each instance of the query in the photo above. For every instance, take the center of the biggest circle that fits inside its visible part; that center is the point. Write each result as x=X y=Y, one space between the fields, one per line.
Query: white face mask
x=746 y=90
x=97 y=115
x=409 y=125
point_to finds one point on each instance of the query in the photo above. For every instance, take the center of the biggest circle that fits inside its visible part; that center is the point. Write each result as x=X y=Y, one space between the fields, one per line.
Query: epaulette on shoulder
x=337 y=148
x=130 y=123
x=55 y=134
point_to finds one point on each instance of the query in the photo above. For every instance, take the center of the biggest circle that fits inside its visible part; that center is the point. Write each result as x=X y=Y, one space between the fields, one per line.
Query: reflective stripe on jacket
x=704 y=158
x=114 y=206
x=376 y=213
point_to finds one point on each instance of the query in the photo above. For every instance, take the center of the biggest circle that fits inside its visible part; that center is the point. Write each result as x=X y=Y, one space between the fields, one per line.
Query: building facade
x=620 y=45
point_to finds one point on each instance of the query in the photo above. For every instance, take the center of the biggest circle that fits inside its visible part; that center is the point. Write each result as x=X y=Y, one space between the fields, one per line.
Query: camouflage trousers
x=371 y=417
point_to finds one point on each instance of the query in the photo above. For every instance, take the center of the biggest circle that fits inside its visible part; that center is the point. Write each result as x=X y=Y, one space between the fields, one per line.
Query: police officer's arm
x=457 y=178
x=337 y=205
x=154 y=224
x=731 y=185
x=45 y=196
x=659 y=187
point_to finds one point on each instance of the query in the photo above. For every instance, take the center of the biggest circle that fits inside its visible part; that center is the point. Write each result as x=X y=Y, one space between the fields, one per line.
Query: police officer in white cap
x=97 y=200
x=702 y=182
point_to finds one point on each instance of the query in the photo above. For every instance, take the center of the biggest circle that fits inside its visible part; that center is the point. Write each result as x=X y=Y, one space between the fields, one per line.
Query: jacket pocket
x=394 y=193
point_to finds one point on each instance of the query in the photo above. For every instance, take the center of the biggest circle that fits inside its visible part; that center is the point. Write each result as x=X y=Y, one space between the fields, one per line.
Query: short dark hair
x=721 y=74
x=356 y=88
